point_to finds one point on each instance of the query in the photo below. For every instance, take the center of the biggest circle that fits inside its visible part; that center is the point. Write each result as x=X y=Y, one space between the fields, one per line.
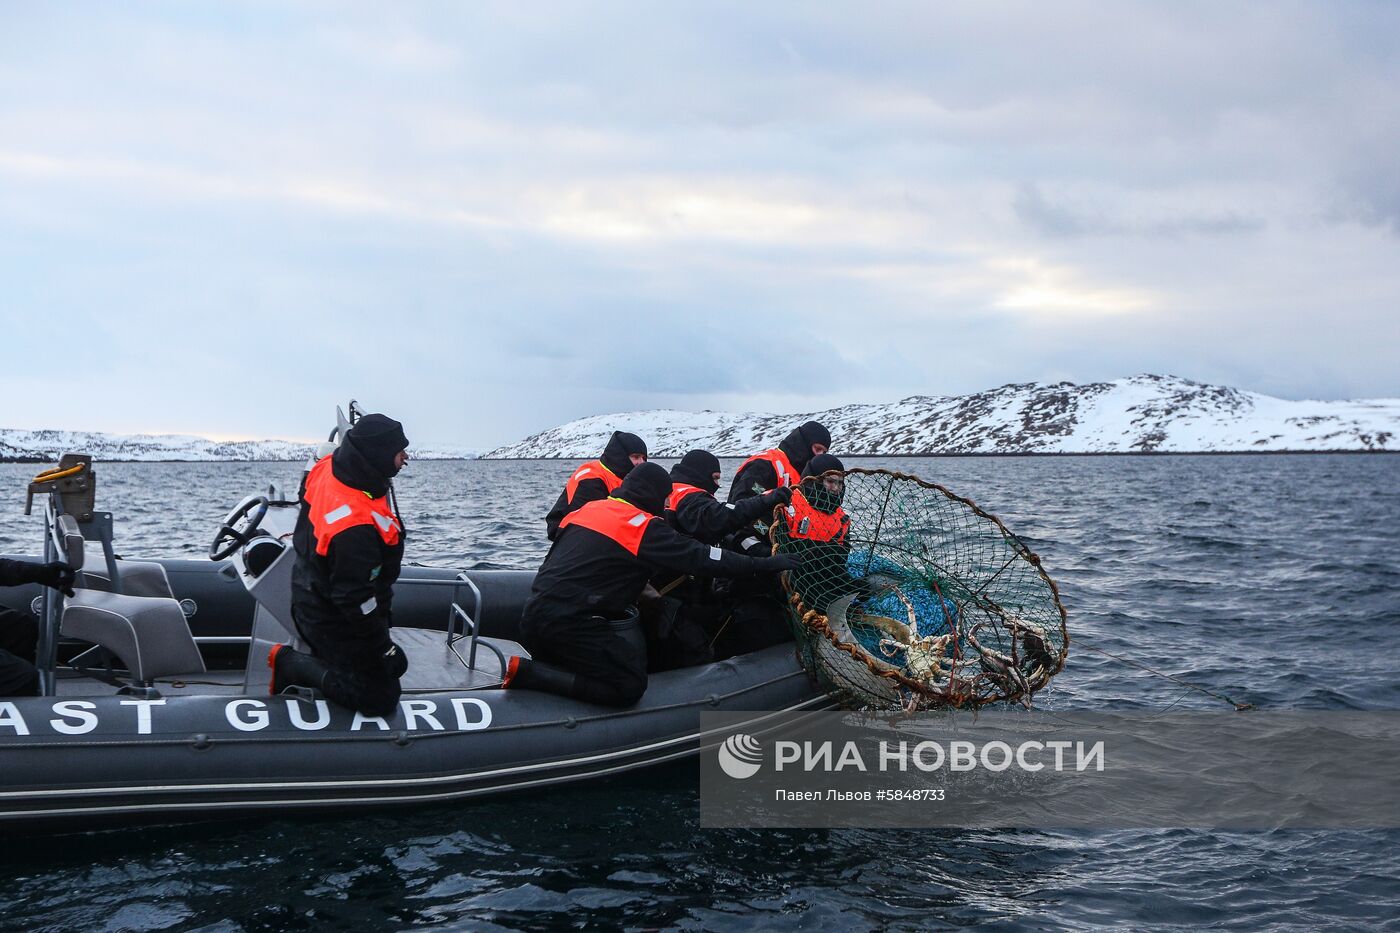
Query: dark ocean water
x=1273 y=579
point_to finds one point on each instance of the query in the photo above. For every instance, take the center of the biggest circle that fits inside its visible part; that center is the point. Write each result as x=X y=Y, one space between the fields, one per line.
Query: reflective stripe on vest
x=811 y=524
x=333 y=507
x=780 y=463
x=593 y=469
x=621 y=521
x=678 y=492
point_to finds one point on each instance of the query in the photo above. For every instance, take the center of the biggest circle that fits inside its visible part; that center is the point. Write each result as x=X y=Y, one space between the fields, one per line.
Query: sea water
x=1272 y=579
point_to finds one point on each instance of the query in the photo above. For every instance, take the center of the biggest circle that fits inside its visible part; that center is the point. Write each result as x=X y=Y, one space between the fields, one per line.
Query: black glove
x=395 y=661
x=781 y=562
x=780 y=496
x=54 y=574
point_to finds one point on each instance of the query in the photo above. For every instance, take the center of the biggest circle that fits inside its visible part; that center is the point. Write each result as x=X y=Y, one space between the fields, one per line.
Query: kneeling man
x=349 y=541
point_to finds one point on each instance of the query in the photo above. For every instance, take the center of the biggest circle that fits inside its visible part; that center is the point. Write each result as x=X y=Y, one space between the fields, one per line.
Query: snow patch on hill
x=44 y=446
x=1143 y=413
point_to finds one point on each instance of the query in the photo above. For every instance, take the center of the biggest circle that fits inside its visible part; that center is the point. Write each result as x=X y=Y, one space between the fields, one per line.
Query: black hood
x=798 y=444
x=698 y=468
x=822 y=499
x=646 y=487
x=823 y=463
x=617 y=456
x=365 y=457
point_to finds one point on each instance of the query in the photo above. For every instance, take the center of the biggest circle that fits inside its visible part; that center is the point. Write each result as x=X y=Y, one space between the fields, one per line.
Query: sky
x=487 y=219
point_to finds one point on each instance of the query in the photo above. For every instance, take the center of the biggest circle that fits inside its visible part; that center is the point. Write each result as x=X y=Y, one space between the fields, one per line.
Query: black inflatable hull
x=74 y=762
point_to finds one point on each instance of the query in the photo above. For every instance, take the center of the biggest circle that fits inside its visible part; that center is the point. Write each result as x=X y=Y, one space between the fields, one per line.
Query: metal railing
x=460 y=623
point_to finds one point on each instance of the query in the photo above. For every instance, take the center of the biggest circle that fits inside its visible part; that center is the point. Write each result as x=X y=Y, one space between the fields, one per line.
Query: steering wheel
x=238 y=527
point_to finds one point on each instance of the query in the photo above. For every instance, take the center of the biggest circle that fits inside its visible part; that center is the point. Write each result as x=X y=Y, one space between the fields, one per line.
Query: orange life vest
x=333 y=507
x=807 y=523
x=617 y=519
x=678 y=492
x=787 y=474
x=593 y=469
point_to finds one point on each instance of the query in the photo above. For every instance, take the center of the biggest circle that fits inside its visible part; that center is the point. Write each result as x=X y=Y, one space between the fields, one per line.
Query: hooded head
x=818 y=491
x=368 y=455
x=617 y=455
x=698 y=468
x=646 y=487
x=798 y=444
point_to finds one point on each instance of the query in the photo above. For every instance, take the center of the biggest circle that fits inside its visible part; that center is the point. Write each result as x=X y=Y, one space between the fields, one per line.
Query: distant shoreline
x=1031 y=453
x=848 y=456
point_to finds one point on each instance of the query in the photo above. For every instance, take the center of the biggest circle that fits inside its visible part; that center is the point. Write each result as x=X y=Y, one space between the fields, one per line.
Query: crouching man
x=580 y=622
x=349 y=542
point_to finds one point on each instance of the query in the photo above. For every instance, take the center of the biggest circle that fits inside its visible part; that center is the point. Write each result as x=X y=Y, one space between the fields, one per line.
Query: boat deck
x=433 y=664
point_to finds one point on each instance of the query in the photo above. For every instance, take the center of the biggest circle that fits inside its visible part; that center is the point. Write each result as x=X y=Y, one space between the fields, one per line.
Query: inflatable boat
x=155 y=704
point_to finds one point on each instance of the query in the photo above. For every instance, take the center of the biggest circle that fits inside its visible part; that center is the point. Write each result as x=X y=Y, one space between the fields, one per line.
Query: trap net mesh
x=929 y=602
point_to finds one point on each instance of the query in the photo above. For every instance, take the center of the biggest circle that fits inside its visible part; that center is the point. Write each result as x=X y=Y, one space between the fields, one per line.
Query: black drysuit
x=617 y=457
x=755 y=609
x=361 y=664
x=681 y=625
x=580 y=623
x=758 y=477
x=700 y=515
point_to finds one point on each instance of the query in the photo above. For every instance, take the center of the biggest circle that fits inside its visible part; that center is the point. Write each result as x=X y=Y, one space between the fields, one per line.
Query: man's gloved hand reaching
x=780 y=496
x=779 y=563
x=55 y=574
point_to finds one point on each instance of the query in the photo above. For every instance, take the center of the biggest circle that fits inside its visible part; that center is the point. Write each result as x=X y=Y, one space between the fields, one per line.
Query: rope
x=1239 y=707
x=48 y=476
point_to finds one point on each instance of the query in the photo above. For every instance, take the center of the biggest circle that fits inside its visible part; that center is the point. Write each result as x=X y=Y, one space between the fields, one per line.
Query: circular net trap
x=928 y=602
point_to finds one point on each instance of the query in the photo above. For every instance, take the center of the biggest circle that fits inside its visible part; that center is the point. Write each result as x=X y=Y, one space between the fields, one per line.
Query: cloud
x=1061 y=219
x=539 y=212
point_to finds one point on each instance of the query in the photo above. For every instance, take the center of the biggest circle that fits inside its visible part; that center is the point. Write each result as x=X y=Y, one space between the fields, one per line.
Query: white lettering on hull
x=323 y=716
x=12 y=717
x=74 y=709
x=426 y=710
x=143 y=713
x=245 y=714
x=254 y=719
x=360 y=719
x=460 y=704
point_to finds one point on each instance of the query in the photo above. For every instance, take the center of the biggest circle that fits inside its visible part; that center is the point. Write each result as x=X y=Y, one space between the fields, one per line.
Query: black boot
x=292 y=668
x=537 y=675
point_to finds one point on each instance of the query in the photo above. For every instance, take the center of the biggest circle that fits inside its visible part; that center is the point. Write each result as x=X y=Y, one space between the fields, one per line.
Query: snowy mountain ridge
x=45 y=446
x=1138 y=414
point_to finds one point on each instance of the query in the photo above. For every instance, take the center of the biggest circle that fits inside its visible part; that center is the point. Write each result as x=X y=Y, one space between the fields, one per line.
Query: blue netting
x=932 y=615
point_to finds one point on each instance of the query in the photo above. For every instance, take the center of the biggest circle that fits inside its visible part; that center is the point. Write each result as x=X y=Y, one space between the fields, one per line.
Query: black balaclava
x=365 y=457
x=646 y=487
x=617 y=456
x=822 y=499
x=698 y=468
x=798 y=444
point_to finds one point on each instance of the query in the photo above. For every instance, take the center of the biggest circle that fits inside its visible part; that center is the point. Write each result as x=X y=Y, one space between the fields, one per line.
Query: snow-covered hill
x=47 y=446
x=1138 y=414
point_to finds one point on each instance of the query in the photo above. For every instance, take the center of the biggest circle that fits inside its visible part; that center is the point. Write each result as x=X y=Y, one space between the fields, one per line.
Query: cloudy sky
x=487 y=219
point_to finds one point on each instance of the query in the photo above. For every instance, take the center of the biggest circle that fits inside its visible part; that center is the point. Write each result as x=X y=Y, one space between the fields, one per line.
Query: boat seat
x=138 y=578
x=434 y=663
x=148 y=634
